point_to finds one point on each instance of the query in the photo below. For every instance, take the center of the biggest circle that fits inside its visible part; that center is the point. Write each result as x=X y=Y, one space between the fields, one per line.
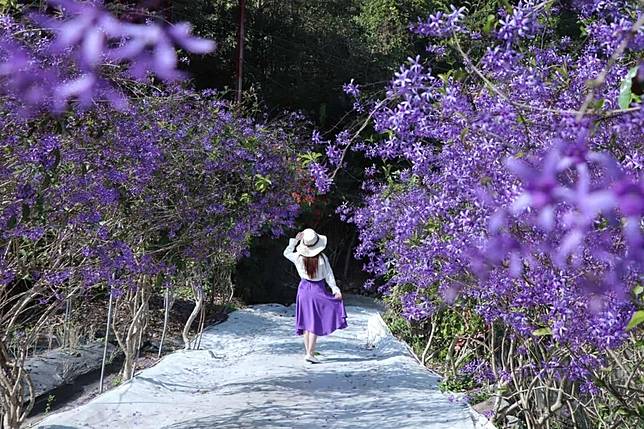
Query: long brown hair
x=311 y=264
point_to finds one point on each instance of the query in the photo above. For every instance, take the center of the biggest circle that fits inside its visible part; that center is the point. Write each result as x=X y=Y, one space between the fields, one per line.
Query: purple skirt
x=316 y=310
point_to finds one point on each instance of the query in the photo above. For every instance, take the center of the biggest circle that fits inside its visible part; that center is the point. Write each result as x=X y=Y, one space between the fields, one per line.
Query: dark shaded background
x=298 y=54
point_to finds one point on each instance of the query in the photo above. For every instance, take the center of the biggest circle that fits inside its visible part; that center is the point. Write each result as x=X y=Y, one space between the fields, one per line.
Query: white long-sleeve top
x=324 y=267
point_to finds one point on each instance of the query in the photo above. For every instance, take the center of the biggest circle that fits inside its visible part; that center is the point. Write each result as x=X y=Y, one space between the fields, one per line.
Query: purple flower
x=34 y=234
x=589 y=388
x=333 y=153
x=630 y=197
x=6 y=276
x=23 y=76
x=441 y=24
x=444 y=215
x=320 y=175
x=352 y=89
x=316 y=138
x=56 y=278
x=90 y=36
x=479 y=370
x=416 y=307
x=542 y=188
x=522 y=23
x=116 y=293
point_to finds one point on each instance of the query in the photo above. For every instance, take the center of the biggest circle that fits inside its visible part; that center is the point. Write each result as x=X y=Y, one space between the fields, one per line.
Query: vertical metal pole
x=240 y=49
x=66 y=323
x=107 y=335
x=166 y=305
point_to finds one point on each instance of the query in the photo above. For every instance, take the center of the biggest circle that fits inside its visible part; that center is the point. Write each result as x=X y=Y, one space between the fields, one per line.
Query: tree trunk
x=167 y=304
x=107 y=335
x=198 y=293
x=202 y=321
x=129 y=343
x=15 y=385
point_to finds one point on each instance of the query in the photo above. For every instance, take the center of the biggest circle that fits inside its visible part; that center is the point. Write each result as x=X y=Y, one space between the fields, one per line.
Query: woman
x=317 y=312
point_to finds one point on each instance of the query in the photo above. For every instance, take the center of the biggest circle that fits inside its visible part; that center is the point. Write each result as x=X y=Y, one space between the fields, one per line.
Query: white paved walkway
x=251 y=374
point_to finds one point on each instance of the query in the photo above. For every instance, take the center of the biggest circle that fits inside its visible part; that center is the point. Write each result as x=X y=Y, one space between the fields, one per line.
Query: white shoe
x=312 y=359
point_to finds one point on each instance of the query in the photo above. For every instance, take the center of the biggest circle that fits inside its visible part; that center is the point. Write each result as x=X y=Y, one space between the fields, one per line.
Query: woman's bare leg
x=312 y=339
x=306 y=342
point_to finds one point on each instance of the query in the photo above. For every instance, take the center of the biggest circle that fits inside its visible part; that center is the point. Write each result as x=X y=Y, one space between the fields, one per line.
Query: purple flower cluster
x=479 y=370
x=517 y=186
x=416 y=307
x=521 y=23
x=119 y=197
x=88 y=43
x=441 y=24
x=320 y=174
x=351 y=89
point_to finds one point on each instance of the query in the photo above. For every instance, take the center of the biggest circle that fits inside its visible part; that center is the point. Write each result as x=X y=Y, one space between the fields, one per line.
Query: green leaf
x=460 y=74
x=623 y=412
x=159 y=280
x=308 y=158
x=489 y=23
x=637 y=290
x=464 y=133
x=636 y=319
x=598 y=104
x=5 y=5
x=262 y=183
x=541 y=332
x=445 y=76
x=625 y=89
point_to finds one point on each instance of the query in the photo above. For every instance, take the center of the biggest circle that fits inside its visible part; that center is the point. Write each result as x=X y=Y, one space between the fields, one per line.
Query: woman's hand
x=298 y=237
x=337 y=295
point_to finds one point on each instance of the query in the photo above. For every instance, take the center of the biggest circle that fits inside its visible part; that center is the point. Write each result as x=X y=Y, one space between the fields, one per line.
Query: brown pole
x=240 y=49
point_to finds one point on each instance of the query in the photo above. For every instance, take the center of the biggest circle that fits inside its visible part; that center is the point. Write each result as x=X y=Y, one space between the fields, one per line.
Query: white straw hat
x=312 y=243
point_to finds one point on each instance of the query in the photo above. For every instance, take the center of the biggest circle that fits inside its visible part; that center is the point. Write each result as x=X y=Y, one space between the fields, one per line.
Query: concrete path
x=251 y=373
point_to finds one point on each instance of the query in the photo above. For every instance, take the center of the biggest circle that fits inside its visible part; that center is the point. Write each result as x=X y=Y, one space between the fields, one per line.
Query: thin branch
x=364 y=125
x=599 y=80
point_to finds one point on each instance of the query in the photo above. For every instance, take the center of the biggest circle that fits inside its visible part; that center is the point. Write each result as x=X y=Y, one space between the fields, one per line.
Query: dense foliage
x=512 y=185
x=176 y=176
x=299 y=53
x=165 y=192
